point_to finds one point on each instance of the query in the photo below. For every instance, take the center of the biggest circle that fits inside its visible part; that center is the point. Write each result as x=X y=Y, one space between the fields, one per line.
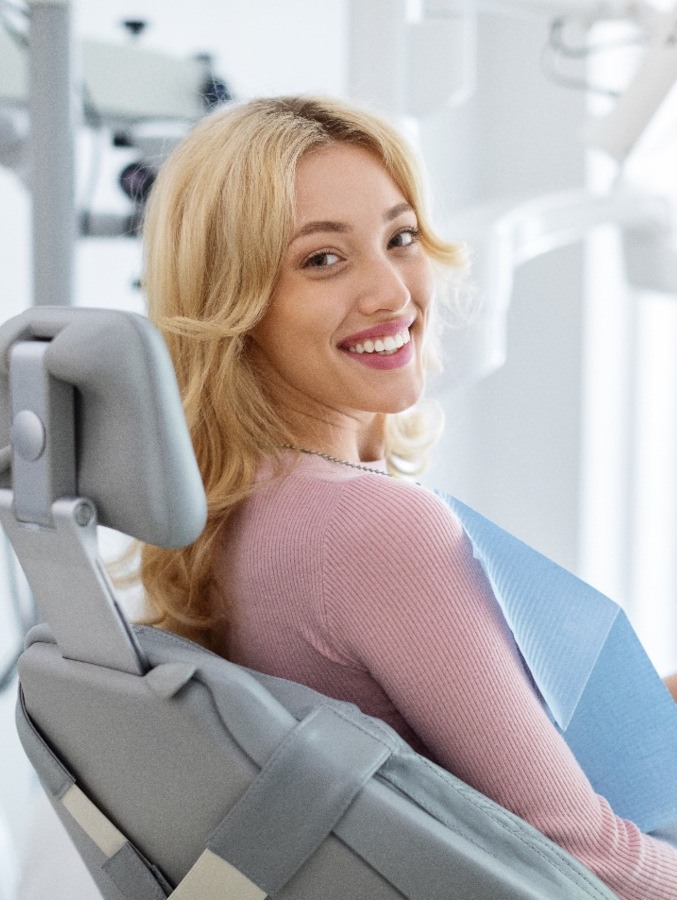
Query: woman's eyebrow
x=313 y=227
x=397 y=211
x=327 y=225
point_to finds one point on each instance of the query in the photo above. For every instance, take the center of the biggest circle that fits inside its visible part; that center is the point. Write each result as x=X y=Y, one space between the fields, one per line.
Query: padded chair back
x=175 y=772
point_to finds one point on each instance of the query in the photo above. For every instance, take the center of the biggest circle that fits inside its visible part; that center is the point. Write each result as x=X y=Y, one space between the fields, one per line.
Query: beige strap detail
x=212 y=878
x=100 y=829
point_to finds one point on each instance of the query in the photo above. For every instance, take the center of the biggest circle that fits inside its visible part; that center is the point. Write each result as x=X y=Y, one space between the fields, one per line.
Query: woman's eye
x=404 y=238
x=321 y=260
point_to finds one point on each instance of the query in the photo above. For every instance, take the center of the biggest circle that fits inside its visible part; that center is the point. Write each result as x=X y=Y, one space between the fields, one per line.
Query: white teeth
x=386 y=345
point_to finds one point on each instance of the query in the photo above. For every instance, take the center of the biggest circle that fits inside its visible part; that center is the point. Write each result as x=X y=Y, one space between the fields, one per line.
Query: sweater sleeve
x=404 y=597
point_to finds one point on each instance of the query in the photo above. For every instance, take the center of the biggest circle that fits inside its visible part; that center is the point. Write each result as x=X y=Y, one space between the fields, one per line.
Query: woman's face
x=343 y=336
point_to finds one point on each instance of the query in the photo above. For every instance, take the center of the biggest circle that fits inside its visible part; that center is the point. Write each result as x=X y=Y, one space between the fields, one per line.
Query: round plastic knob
x=28 y=435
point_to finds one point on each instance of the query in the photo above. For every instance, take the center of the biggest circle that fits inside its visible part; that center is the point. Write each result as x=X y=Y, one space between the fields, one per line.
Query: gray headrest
x=135 y=459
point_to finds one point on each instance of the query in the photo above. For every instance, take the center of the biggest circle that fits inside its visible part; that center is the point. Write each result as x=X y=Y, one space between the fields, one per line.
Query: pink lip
x=378 y=331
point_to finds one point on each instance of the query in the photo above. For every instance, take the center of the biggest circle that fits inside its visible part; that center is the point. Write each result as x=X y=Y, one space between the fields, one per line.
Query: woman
x=290 y=266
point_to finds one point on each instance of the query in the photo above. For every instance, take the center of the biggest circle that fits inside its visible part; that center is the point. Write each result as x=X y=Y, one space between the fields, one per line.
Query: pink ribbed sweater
x=365 y=588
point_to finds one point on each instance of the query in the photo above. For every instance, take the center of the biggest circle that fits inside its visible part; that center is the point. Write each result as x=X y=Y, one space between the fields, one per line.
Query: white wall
x=511 y=447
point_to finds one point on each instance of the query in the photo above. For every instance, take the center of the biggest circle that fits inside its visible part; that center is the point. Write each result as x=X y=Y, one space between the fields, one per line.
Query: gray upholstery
x=179 y=750
x=135 y=460
x=170 y=786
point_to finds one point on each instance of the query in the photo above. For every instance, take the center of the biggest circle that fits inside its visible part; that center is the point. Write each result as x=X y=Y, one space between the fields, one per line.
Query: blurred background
x=549 y=130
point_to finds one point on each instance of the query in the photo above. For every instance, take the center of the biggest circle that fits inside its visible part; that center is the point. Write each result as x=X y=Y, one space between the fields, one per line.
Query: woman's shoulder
x=348 y=503
x=394 y=491
x=396 y=509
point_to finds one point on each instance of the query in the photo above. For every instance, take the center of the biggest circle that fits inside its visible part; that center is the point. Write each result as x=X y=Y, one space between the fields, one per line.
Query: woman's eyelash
x=317 y=260
x=314 y=261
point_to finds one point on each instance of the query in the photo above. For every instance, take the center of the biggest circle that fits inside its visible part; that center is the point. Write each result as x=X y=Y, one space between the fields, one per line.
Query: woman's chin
x=400 y=402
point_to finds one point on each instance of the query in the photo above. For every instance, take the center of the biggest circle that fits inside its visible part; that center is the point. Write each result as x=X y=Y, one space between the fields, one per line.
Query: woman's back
x=365 y=588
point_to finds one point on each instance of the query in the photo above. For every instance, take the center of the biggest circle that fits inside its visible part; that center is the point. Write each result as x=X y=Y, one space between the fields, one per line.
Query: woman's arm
x=405 y=598
x=671 y=684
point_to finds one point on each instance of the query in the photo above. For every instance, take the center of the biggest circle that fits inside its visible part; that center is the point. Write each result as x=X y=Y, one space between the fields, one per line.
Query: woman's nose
x=383 y=287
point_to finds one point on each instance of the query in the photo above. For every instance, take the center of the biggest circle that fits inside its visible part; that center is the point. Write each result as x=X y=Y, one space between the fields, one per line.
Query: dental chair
x=175 y=772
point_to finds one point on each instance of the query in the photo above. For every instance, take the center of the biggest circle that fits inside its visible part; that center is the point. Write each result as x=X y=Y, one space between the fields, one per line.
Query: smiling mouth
x=384 y=346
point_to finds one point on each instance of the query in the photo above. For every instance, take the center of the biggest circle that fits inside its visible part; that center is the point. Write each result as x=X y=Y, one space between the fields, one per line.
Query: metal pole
x=52 y=152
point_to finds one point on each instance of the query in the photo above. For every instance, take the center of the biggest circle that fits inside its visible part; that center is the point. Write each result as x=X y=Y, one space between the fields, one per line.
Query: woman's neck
x=362 y=444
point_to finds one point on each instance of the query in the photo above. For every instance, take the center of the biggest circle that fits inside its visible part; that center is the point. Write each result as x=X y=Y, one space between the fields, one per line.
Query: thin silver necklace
x=335 y=459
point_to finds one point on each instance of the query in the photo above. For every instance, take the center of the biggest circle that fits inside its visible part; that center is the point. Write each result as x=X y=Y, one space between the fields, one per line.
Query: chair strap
x=298 y=797
x=303 y=790
x=109 y=839
x=212 y=878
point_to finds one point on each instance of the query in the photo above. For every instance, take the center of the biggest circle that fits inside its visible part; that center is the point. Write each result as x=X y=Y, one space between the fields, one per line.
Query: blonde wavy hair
x=218 y=223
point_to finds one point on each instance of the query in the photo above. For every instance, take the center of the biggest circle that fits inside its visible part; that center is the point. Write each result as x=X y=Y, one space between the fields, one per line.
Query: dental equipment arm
x=620 y=130
x=506 y=237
